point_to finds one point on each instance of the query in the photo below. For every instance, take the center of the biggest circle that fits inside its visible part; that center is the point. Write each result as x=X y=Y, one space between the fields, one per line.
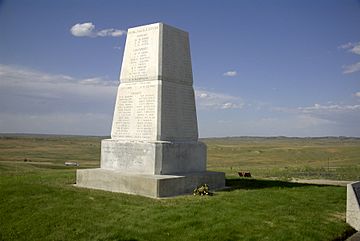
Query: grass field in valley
x=38 y=202
x=286 y=158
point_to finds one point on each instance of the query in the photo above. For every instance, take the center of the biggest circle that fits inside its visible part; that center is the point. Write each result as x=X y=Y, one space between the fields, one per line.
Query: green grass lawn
x=38 y=201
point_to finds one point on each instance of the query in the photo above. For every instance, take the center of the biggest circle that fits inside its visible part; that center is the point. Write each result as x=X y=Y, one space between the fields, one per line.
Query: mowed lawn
x=38 y=201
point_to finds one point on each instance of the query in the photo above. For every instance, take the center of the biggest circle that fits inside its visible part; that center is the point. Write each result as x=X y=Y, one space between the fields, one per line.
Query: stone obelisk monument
x=154 y=149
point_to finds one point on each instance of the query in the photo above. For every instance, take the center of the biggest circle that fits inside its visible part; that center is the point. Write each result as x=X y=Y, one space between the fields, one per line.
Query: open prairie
x=335 y=158
x=38 y=201
x=277 y=157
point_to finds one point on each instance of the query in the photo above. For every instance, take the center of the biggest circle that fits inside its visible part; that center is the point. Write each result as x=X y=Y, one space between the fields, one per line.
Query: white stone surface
x=137 y=111
x=353 y=205
x=154 y=158
x=154 y=149
x=175 y=63
x=155 y=186
x=141 y=55
x=131 y=157
x=157 y=52
x=178 y=113
x=155 y=99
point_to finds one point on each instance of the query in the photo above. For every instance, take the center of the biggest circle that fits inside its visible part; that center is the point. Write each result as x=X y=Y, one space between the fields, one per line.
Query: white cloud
x=292 y=125
x=212 y=100
x=56 y=123
x=346 y=45
x=203 y=95
x=98 y=81
x=357 y=94
x=230 y=105
x=329 y=108
x=343 y=118
x=348 y=69
x=38 y=102
x=356 y=49
x=83 y=29
x=318 y=109
x=11 y=75
x=351 y=47
x=110 y=32
x=314 y=120
x=88 y=30
x=231 y=73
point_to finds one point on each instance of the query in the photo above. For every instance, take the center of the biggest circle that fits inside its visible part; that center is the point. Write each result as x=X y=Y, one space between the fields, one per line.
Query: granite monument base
x=155 y=158
x=154 y=186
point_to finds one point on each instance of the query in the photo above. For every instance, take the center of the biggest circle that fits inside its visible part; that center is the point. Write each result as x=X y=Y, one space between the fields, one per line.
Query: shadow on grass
x=349 y=232
x=244 y=183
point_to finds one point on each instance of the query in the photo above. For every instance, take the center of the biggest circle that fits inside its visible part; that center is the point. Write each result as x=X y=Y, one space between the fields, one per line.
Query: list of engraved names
x=137 y=107
x=143 y=58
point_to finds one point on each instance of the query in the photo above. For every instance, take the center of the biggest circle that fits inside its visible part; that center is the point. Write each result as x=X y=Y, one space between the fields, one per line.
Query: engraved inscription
x=123 y=156
x=142 y=29
x=140 y=58
x=137 y=109
x=139 y=103
x=141 y=55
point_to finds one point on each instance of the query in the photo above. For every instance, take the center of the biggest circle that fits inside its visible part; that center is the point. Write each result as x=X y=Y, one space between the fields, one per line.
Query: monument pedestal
x=156 y=158
x=154 y=149
x=152 y=169
x=155 y=186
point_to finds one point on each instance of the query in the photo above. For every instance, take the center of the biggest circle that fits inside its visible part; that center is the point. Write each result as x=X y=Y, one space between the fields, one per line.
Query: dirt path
x=322 y=182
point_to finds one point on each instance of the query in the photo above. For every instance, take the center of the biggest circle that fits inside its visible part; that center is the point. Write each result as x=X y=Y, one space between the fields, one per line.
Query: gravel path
x=322 y=182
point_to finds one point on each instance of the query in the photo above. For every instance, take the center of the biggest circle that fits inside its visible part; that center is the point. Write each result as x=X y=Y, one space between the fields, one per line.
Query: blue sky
x=261 y=68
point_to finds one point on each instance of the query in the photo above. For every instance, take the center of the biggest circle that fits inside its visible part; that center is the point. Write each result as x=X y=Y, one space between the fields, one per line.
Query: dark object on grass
x=247 y=174
x=244 y=174
x=71 y=164
x=202 y=190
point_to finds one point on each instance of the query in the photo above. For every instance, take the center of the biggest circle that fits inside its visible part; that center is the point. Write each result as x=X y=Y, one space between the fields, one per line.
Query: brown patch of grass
x=337 y=216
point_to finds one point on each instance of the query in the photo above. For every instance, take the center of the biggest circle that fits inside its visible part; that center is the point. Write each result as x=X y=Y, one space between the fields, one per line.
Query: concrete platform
x=354 y=237
x=154 y=186
x=353 y=205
